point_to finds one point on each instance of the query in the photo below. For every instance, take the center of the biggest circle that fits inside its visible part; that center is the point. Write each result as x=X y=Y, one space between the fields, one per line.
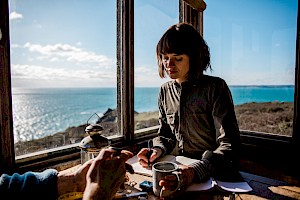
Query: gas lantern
x=92 y=144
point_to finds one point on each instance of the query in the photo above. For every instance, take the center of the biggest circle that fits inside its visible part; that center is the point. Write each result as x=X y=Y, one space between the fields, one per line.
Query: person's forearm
x=165 y=140
x=92 y=192
x=67 y=183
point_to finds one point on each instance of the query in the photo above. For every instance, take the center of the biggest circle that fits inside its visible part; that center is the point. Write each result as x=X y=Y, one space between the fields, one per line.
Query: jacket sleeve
x=226 y=155
x=30 y=185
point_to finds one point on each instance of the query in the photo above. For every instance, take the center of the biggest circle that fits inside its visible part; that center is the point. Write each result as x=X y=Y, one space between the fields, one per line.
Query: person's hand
x=143 y=156
x=187 y=173
x=74 y=181
x=170 y=182
x=106 y=175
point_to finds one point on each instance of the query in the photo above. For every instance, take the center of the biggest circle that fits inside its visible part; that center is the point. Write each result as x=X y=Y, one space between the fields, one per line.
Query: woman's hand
x=143 y=156
x=105 y=175
x=188 y=174
x=170 y=182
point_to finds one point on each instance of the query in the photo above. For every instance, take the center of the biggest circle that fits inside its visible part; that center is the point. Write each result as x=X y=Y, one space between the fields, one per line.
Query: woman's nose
x=170 y=62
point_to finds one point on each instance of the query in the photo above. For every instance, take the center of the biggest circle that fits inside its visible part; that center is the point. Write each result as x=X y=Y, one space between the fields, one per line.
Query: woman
x=196 y=111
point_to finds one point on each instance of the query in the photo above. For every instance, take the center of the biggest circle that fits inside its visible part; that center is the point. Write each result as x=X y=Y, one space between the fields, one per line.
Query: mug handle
x=166 y=193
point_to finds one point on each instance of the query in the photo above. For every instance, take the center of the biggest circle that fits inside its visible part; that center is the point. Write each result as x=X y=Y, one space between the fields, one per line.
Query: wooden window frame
x=6 y=124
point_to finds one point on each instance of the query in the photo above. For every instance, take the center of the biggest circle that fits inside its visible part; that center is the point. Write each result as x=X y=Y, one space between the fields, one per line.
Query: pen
x=150 y=145
x=129 y=196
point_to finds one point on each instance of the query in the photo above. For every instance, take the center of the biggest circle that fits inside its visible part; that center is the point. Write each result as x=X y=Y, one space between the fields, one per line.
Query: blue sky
x=66 y=43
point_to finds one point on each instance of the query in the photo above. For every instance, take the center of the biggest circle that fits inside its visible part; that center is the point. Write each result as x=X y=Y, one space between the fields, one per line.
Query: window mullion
x=190 y=15
x=127 y=72
x=296 y=123
x=7 y=155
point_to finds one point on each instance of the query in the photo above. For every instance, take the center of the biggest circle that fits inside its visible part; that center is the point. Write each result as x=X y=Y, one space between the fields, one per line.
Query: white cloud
x=70 y=53
x=277 y=45
x=15 y=16
x=144 y=69
x=40 y=76
x=15 y=46
x=147 y=76
x=49 y=73
x=61 y=65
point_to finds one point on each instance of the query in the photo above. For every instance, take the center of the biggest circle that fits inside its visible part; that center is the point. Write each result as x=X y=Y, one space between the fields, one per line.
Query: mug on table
x=160 y=170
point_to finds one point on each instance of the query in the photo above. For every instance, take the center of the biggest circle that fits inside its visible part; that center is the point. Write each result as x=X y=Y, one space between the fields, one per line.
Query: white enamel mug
x=160 y=170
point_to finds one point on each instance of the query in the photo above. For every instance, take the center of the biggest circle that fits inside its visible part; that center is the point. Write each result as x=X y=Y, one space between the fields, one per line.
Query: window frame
x=6 y=124
x=268 y=153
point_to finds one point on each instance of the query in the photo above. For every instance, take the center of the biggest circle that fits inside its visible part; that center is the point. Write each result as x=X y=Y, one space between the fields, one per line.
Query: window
x=152 y=18
x=253 y=48
x=63 y=70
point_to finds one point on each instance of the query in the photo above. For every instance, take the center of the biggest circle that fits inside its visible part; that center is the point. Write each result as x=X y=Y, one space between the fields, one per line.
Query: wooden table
x=263 y=188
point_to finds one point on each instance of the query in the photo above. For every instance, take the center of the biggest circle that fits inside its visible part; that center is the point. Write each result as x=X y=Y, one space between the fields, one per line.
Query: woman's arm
x=226 y=155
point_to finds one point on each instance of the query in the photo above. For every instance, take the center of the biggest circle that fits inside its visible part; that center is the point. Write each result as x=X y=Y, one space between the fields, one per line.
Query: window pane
x=252 y=47
x=152 y=19
x=63 y=57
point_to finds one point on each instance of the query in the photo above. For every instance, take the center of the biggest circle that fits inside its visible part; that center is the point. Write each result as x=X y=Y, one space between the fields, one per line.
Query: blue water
x=246 y=94
x=41 y=112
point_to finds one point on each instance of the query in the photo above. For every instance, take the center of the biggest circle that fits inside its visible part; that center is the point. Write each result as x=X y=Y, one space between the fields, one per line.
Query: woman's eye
x=178 y=59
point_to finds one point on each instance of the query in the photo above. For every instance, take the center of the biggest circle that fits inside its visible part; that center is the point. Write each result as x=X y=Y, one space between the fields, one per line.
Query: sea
x=38 y=112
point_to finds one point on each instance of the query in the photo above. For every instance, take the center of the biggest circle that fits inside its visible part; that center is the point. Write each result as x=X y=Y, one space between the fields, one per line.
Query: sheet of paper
x=184 y=160
x=209 y=184
x=237 y=187
x=134 y=161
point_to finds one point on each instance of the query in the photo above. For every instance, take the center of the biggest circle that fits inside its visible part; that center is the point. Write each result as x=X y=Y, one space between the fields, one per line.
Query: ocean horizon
x=38 y=112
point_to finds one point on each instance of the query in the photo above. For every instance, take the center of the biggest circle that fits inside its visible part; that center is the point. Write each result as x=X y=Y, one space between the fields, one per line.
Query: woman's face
x=176 y=65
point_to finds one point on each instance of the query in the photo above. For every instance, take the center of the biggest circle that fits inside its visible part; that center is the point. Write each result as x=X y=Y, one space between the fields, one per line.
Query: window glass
x=152 y=19
x=63 y=69
x=252 y=46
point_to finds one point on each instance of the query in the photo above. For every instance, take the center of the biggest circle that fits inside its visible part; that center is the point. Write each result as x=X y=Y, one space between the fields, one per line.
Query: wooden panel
x=270 y=156
x=190 y=15
x=6 y=127
x=57 y=158
x=198 y=5
x=296 y=124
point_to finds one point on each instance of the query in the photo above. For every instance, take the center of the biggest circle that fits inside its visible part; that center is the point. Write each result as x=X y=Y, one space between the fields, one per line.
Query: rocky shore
x=269 y=117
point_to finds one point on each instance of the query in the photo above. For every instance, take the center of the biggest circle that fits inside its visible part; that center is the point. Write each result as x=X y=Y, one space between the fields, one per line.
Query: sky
x=72 y=43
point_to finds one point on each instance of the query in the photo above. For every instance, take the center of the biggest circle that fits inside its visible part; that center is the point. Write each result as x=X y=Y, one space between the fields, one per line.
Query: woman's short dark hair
x=183 y=38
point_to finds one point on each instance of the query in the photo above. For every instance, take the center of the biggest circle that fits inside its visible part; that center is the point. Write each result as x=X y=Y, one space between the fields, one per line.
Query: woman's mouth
x=171 y=72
